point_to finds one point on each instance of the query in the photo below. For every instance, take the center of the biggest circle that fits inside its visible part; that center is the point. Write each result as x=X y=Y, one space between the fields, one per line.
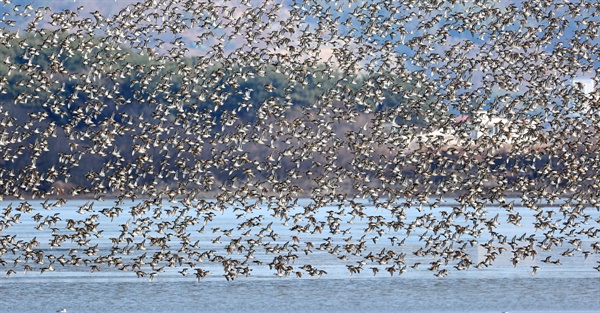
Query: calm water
x=380 y=294
x=573 y=286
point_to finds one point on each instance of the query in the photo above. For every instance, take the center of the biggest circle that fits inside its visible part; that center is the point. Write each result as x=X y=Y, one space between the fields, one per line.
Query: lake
x=572 y=286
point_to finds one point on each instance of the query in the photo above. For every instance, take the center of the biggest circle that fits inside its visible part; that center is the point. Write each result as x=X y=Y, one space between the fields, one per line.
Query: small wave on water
x=350 y=294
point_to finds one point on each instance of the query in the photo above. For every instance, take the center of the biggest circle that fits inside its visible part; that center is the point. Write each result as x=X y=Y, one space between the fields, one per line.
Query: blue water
x=380 y=294
x=572 y=286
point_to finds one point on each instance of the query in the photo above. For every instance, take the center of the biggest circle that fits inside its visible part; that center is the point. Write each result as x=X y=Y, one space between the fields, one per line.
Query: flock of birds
x=302 y=170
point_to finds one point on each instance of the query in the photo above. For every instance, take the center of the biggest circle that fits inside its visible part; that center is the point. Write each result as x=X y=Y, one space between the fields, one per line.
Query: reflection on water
x=572 y=286
x=380 y=294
